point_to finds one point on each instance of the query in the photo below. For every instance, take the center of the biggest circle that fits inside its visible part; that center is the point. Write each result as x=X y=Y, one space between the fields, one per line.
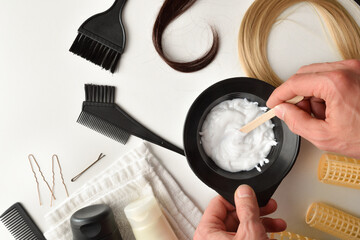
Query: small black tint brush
x=102 y=114
x=101 y=38
x=20 y=224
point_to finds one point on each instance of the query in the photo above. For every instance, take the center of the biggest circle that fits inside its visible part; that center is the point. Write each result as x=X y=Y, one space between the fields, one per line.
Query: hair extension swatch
x=261 y=16
x=170 y=10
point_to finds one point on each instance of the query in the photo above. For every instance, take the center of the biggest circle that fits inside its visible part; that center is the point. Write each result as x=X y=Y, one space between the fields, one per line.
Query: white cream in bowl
x=231 y=149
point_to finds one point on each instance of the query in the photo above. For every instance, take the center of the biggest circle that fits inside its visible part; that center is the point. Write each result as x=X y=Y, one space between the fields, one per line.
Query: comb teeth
x=20 y=225
x=95 y=52
x=99 y=94
x=103 y=127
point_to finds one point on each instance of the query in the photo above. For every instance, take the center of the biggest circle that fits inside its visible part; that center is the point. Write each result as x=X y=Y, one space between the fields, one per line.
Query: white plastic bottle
x=147 y=220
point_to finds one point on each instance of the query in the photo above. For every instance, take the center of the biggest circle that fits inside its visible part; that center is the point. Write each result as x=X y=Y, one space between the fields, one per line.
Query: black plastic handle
x=108 y=26
x=263 y=197
x=114 y=115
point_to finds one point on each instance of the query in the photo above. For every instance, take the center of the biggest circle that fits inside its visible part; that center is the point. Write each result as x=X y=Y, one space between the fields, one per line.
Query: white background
x=42 y=92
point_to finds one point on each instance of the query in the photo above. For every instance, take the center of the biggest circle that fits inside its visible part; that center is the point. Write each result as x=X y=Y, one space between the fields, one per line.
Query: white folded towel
x=138 y=173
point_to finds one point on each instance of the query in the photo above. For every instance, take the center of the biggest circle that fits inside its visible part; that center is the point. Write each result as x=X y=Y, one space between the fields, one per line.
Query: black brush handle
x=114 y=115
x=107 y=25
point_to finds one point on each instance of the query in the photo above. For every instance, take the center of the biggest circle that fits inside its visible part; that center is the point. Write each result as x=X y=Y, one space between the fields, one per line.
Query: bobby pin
x=77 y=176
x=53 y=176
x=31 y=157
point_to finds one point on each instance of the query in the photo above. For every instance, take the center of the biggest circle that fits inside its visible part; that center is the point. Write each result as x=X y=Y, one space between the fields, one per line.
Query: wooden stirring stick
x=266 y=116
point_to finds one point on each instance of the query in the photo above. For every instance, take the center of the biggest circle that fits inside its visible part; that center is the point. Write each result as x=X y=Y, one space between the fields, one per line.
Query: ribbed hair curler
x=333 y=221
x=339 y=170
x=287 y=236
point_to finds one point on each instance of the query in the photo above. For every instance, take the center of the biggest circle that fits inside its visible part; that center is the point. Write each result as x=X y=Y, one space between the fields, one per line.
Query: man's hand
x=222 y=221
x=329 y=117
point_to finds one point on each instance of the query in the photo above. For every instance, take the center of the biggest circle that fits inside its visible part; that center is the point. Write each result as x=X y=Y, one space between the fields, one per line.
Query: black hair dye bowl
x=281 y=157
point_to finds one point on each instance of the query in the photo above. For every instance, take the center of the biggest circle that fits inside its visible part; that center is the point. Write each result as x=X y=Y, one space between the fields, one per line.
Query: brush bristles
x=95 y=52
x=103 y=127
x=99 y=93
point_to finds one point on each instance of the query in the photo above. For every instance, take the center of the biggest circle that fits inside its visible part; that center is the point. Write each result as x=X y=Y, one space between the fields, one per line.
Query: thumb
x=247 y=208
x=248 y=212
x=298 y=121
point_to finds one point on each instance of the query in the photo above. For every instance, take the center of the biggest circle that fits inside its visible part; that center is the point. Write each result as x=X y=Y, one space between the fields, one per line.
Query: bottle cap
x=143 y=212
x=94 y=222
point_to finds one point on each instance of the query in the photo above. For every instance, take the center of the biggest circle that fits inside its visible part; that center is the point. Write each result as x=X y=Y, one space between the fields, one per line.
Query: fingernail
x=279 y=111
x=244 y=191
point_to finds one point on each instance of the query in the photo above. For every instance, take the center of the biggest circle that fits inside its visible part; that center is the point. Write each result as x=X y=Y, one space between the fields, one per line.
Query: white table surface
x=42 y=89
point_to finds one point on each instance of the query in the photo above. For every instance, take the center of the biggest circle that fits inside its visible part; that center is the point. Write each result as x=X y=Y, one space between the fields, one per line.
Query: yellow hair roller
x=333 y=221
x=287 y=236
x=339 y=170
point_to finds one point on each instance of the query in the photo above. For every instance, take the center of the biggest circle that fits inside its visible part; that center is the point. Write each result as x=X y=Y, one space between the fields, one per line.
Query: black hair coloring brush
x=102 y=114
x=101 y=38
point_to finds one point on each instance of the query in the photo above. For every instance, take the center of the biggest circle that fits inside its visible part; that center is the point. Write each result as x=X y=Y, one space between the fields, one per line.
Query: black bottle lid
x=95 y=222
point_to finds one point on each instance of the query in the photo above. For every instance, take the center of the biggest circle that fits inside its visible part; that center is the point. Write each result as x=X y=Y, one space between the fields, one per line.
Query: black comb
x=20 y=224
x=100 y=113
x=101 y=38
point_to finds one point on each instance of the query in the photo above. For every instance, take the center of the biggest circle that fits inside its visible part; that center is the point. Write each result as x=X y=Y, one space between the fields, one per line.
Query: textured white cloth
x=137 y=173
